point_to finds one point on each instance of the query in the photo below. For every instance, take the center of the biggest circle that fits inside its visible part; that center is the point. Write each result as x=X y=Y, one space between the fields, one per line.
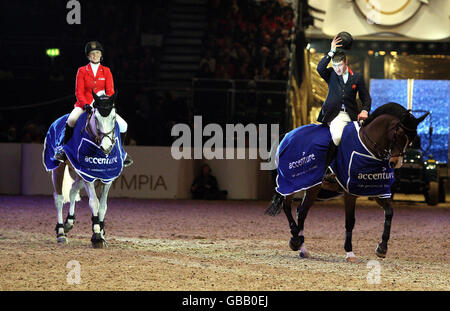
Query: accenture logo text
x=300 y=162
x=376 y=176
x=103 y=161
x=250 y=138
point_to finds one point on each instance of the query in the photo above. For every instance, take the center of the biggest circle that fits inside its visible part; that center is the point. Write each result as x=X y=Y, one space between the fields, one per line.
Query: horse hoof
x=98 y=241
x=381 y=251
x=98 y=244
x=304 y=254
x=62 y=240
x=351 y=258
x=295 y=243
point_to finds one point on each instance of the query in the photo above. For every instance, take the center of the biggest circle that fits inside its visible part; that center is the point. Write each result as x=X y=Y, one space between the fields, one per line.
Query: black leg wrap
x=102 y=227
x=389 y=213
x=71 y=217
x=58 y=226
x=57 y=230
x=67 y=226
x=348 y=242
x=95 y=221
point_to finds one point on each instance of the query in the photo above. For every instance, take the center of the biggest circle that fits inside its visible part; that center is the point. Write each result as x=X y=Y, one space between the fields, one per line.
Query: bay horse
x=94 y=153
x=384 y=137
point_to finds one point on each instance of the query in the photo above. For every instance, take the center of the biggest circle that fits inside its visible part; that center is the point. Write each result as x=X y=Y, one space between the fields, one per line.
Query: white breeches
x=337 y=126
x=77 y=111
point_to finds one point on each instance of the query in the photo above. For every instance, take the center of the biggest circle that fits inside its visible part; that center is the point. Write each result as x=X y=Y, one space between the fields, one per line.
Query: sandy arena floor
x=199 y=245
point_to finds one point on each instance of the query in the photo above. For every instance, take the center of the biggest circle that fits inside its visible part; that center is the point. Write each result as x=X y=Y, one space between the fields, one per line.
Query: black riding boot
x=331 y=154
x=60 y=154
x=128 y=160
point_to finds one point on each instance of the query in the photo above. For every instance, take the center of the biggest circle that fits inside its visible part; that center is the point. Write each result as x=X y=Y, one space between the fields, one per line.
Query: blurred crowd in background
x=247 y=40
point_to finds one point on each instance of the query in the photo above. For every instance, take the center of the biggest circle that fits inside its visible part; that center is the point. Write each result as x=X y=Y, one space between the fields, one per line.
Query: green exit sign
x=52 y=52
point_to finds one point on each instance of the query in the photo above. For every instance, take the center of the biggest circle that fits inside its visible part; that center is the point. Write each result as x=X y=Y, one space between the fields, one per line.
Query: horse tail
x=67 y=185
x=276 y=205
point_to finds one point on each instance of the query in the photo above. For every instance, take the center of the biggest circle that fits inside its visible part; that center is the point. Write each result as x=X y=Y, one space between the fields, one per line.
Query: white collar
x=95 y=68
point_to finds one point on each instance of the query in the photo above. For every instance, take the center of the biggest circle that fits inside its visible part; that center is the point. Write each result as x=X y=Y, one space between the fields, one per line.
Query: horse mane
x=390 y=108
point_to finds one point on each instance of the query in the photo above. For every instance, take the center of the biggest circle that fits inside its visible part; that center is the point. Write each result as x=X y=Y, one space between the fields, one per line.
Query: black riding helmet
x=93 y=45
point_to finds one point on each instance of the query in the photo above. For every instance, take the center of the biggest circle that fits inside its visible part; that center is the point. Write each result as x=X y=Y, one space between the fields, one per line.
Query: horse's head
x=403 y=131
x=389 y=130
x=105 y=117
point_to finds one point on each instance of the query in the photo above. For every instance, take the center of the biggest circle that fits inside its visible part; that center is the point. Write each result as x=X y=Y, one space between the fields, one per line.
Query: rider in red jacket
x=92 y=77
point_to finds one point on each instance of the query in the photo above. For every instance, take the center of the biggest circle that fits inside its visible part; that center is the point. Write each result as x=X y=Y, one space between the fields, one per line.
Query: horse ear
x=420 y=119
x=96 y=98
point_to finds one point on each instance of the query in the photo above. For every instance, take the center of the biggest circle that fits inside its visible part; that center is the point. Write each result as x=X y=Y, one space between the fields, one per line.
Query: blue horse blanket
x=87 y=159
x=301 y=158
x=301 y=162
x=357 y=170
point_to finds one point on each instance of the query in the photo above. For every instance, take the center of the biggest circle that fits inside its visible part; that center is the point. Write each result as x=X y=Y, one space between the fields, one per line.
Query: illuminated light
x=308 y=46
x=376 y=53
x=382 y=53
x=52 y=52
x=393 y=53
x=312 y=50
x=370 y=52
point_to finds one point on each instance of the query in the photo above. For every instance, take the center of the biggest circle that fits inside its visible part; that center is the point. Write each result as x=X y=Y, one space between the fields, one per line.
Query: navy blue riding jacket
x=340 y=94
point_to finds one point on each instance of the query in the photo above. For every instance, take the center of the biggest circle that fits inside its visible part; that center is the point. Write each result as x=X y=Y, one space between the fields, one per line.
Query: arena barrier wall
x=154 y=174
x=10 y=168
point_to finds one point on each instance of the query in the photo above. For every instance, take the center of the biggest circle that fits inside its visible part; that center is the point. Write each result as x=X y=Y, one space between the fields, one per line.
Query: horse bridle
x=99 y=136
x=386 y=153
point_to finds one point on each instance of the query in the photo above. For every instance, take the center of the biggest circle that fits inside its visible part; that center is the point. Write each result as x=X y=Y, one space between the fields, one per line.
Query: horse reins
x=98 y=138
x=387 y=152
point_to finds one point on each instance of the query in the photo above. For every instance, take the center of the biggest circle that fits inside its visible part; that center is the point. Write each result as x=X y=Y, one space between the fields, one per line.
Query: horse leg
x=388 y=214
x=302 y=211
x=96 y=239
x=70 y=219
x=350 y=204
x=57 y=180
x=293 y=243
x=103 y=207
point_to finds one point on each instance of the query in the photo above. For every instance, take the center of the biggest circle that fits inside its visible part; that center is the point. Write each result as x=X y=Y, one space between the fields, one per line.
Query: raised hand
x=335 y=43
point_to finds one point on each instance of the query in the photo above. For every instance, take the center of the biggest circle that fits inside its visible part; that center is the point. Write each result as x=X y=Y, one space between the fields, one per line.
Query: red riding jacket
x=86 y=83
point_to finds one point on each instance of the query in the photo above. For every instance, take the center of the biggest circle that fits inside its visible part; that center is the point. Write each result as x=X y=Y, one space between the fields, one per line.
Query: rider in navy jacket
x=342 y=94
x=340 y=106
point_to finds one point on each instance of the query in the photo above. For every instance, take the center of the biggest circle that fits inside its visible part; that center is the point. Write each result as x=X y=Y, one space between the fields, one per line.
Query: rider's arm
x=79 y=89
x=322 y=69
x=109 y=83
